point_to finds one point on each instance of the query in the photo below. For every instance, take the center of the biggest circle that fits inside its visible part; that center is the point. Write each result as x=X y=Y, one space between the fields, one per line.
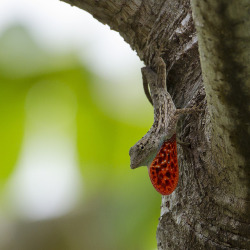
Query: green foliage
x=56 y=87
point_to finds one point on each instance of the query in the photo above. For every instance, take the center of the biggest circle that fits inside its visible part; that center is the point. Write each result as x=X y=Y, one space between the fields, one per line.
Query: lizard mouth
x=134 y=164
x=132 y=167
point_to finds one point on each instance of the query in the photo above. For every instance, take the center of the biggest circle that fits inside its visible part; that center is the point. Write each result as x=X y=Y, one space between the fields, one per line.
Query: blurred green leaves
x=42 y=90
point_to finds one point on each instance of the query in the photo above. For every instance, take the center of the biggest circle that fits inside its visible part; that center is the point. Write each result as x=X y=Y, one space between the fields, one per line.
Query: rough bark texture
x=210 y=208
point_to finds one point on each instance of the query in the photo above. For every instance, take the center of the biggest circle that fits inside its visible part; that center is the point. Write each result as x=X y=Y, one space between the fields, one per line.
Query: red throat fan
x=163 y=171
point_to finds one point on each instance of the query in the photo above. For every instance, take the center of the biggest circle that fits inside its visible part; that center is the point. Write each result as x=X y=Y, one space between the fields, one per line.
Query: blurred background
x=71 y=106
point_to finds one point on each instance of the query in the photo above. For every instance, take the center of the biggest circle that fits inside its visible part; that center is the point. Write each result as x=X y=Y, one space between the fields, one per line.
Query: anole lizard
x=157 y=149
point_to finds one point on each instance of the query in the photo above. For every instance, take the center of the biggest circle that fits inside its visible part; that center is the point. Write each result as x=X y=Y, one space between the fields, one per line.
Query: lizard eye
x=142 y=147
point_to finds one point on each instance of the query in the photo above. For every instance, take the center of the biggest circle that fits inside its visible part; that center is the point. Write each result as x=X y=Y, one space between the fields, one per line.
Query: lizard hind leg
x=145 y=72
x=150 y=78
x=188 y=110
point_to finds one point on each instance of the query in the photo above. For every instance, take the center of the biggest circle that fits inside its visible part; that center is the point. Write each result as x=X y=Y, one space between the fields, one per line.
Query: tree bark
x=210 y=208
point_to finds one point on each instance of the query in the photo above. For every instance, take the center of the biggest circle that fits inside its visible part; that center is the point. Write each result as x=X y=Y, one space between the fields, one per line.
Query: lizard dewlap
x=163 y=171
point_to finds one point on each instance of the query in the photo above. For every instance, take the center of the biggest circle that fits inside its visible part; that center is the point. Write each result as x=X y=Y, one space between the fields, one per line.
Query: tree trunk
x=210 y=207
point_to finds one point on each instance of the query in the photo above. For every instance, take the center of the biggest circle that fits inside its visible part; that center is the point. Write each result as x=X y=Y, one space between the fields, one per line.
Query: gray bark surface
x=210 y=207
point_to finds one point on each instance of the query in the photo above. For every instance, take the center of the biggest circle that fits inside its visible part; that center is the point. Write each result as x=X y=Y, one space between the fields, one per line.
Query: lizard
x=157 y=149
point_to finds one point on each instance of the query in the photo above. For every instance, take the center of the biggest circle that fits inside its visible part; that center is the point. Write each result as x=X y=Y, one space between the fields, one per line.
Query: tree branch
x=145 y=26
x=223 y=29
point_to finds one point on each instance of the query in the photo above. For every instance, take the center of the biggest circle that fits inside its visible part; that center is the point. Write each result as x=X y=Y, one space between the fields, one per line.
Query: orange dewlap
x=163 y=171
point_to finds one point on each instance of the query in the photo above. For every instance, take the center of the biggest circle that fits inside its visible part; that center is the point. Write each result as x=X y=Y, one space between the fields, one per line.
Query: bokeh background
x=71 y=106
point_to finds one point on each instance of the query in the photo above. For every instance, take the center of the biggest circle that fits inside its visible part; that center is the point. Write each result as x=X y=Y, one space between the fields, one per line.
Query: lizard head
x=144 y=151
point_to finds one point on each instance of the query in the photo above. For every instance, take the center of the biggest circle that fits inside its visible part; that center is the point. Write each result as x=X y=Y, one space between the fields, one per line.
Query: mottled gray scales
x=164 y=117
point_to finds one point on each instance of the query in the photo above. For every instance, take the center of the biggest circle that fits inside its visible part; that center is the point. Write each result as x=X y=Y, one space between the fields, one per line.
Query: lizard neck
x=172 y=139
